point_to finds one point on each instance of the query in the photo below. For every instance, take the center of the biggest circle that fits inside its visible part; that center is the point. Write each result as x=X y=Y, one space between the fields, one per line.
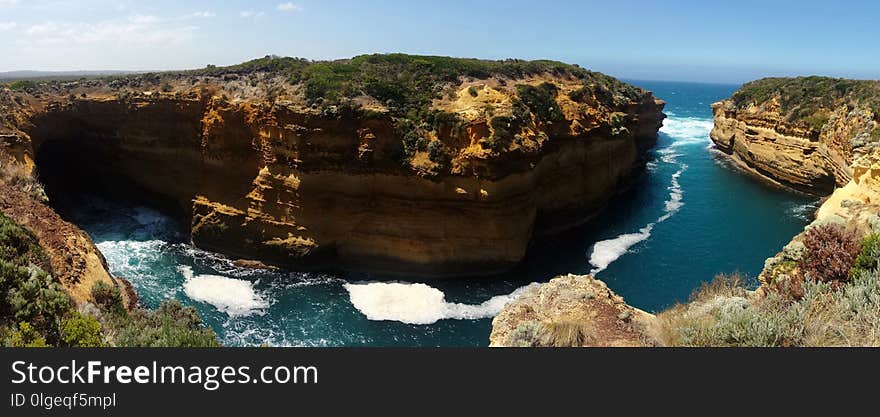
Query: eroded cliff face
x=293 y=185
x=806 y=159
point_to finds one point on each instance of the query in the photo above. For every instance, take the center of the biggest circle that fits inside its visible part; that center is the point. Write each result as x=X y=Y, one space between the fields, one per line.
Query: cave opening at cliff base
x=79 y=177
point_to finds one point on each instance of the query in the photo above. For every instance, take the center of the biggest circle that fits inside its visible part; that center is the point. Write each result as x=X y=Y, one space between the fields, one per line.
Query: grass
x=557 y=334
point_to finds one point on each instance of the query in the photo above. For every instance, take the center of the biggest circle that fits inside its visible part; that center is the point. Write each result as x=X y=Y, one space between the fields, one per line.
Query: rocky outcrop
x=600 y=315
x=268 y=175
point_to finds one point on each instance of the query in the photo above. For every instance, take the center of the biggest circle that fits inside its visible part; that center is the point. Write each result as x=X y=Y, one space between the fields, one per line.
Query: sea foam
x=235 y=297
x=687 y=130
x=420 y=303
x=684 y=131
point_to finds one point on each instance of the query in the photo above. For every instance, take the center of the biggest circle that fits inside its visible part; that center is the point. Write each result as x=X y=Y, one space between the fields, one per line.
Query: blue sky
x=636 y=39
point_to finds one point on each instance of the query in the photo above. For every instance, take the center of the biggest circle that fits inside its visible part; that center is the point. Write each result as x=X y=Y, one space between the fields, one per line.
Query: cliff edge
x=391 y=164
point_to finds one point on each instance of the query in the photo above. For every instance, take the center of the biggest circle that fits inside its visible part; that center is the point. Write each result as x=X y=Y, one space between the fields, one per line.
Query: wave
x=420 y=303
x=605 y=252
x=684 y=131
x=805 y=212
x=687 y=130
x=235 y=297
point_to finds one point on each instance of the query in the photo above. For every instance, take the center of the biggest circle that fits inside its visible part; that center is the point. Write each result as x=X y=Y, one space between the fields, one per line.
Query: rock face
x=792 y=141
x=814 y=134
x=605 y=318
x=75 y=261
x=303 y=185
x=855 y=206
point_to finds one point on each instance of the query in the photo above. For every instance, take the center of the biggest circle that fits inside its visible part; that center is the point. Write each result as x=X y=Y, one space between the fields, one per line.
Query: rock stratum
x=384 y=163
x=803 y=133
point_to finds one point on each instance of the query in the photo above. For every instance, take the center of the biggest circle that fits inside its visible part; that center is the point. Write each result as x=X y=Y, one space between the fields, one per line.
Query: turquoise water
x=691 y=216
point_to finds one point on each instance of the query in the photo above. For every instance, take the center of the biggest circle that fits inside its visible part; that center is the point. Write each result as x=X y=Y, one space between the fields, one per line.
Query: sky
x=728 y=42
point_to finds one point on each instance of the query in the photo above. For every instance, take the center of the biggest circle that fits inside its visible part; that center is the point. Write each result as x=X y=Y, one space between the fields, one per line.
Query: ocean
x=690 y=217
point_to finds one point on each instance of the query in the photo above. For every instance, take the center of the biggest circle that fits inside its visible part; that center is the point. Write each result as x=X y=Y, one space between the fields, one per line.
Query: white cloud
x=8 y=25
x=289 y=7
x=8 y=2
x=204 y=14
x=250 y=13
x=141 y=30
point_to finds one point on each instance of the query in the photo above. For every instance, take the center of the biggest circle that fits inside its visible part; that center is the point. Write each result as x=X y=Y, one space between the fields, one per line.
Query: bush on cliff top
x=407 y=84
x=805 y=99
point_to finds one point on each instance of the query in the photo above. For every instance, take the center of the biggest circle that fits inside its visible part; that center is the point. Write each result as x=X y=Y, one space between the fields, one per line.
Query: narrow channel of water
x=691 y=217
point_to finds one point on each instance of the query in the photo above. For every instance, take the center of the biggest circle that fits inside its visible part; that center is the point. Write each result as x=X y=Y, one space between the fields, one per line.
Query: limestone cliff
x=393 y=164
x=801 y=133
x=817 y=135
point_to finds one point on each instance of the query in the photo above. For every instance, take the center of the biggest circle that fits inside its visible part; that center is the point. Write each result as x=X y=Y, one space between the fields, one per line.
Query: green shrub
x=541 y=100
x=81 y=331
x=171 y=325
x=108 y=297
x=808 y=100
x=867 y=259
x=24 y=336
x=22 y=85
x=524 y=335
x=438 y=152
x=826 y=315
x=473 y=91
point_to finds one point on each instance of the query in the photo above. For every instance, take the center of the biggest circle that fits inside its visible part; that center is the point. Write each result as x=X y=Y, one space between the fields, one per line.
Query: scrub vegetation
x=35 y=310
x=833 y=300
x=809 y=100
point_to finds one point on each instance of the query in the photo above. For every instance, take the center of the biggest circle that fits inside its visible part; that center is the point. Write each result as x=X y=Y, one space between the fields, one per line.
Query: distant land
x=14 y=75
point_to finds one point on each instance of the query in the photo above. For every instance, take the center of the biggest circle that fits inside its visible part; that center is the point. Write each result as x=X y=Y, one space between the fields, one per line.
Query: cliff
x=803 y=133
x=382 y=163
x=817 y=135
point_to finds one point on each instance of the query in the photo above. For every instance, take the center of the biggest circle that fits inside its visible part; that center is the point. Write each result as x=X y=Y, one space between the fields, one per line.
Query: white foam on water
x=687 y=130
x=235 y=297
x=684 y=131
x=605 y=252
x=805 y=212
x=420 y=303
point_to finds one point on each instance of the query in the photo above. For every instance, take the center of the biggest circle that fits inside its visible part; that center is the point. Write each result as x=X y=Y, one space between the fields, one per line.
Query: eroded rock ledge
x=264 y=172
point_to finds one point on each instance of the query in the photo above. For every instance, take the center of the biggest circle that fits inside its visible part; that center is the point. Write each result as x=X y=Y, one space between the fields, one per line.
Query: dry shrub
x=563 y=334
x=17 y=177
x=723 y=285
x=550 y=334
x=831 y=254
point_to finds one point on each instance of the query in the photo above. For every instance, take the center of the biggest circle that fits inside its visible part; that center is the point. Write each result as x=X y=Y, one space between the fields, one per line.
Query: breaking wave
x=420 y=303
